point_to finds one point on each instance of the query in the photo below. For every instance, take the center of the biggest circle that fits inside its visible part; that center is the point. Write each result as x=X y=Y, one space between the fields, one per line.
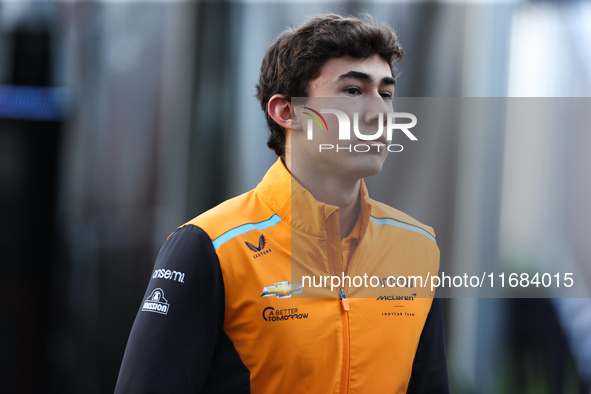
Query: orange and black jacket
x=237 y=302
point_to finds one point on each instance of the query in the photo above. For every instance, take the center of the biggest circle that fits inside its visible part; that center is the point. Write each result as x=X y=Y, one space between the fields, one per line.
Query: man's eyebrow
x=356 y=75
x=388 y=81
x=366 y=77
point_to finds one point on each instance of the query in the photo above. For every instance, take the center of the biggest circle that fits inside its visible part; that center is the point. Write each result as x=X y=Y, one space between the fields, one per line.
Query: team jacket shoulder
x=381 y=210
x=243 y=209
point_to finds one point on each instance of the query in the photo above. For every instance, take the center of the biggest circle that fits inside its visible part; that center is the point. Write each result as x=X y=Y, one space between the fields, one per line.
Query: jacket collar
x=294 y=204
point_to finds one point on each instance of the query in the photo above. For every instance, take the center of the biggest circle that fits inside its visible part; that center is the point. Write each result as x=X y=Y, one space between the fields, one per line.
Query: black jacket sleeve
x=172 y=342
x=429 y=369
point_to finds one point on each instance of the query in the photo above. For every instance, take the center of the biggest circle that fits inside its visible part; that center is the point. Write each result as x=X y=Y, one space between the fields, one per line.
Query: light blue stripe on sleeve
x=228 y=235
x=403 y=225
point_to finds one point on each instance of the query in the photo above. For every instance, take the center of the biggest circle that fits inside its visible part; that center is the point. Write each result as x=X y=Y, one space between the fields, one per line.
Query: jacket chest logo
x=259 y=250
x=282 y=290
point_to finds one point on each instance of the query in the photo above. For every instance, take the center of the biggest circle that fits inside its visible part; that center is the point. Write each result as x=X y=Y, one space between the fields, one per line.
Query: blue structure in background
x=33 y=102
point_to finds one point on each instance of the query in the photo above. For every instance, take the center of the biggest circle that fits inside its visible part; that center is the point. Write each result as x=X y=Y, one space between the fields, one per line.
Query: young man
x=222 y=313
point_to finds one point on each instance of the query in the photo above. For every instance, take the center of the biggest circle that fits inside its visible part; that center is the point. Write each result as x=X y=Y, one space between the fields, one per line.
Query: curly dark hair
x=296 y=56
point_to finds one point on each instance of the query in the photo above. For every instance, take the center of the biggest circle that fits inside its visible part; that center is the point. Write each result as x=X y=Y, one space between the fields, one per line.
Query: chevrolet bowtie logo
x=282 y=290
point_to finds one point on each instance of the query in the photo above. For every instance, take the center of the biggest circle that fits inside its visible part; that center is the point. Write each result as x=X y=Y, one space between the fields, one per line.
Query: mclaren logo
x=260 y=250
x=397 y=298
x=282 y=290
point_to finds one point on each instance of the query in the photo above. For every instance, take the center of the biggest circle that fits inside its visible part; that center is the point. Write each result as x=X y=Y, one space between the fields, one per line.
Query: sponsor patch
x=168 y=274
x=397 y=297
x=156 y=302
x=271 y=314
x=259 y=250
x=282 y=290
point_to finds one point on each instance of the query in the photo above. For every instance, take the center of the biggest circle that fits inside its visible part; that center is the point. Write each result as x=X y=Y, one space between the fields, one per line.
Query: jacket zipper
x=344 y=300
x=344 y=322
x=346 y=351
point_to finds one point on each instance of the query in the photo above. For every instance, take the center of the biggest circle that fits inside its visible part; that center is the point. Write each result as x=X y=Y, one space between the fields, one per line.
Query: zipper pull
x=343 y=296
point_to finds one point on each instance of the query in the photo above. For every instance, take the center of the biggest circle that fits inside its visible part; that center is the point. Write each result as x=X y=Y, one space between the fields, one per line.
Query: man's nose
x=374 y=106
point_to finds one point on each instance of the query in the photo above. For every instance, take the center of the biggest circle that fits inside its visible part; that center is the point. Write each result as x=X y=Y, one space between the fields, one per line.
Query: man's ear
x=279 y=110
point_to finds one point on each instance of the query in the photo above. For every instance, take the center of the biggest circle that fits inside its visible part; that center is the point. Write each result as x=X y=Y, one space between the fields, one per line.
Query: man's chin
x=370 y=166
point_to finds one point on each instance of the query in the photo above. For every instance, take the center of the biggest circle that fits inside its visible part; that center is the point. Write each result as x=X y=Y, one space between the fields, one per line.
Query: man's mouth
x=381 y=140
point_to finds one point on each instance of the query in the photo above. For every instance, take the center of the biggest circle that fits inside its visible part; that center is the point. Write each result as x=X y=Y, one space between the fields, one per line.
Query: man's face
x=364 y=86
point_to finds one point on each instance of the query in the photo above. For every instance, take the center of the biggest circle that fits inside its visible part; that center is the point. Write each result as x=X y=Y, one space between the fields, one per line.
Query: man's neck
x=331 y=190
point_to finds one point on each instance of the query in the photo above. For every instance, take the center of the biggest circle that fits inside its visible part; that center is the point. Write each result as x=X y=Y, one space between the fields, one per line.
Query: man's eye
x=387 y=96
x=353 y=91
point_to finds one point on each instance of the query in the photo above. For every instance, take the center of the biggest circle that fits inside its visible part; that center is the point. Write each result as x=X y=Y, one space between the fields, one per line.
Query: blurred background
x=120 y=120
